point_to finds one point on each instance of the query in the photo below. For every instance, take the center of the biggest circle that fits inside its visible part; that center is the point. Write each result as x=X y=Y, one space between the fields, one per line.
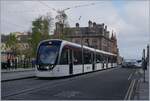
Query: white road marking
x=130 y=76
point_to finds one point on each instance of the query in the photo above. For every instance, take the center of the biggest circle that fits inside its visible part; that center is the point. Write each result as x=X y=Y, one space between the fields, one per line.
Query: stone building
x=95 y=35
x=6 y=52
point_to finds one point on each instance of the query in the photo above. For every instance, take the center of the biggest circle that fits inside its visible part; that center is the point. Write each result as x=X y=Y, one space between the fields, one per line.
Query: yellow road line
x=126 y=96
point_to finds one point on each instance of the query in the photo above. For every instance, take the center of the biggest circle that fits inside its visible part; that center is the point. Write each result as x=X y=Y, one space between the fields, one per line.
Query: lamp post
x=143 y=63
x=82 y=53
x=82 y=48
x=148 y=56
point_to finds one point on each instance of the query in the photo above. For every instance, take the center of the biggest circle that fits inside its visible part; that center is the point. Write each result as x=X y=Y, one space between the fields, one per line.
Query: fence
x=14 y=64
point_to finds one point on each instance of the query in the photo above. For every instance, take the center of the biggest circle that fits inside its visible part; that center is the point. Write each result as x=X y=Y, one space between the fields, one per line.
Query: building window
x=86 y=41
x=76 y=41
x=94 y=43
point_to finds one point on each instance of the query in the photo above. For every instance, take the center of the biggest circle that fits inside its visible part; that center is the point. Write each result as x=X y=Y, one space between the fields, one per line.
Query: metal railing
x=13 y=64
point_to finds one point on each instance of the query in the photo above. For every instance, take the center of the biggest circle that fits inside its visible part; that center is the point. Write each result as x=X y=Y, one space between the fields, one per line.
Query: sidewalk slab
x=142 y=90
x=17 y=70
x=18 y=74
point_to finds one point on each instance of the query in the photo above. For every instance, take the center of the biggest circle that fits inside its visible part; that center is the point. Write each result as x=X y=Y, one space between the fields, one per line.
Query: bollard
x=24 y=63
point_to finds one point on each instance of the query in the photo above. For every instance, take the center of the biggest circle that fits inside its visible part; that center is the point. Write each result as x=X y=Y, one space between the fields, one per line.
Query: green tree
x=12 y=43
x=40 y=31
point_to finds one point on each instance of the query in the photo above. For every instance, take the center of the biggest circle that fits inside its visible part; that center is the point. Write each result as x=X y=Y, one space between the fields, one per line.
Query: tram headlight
x=47 y=67
x=44 y=67
x=51 y=66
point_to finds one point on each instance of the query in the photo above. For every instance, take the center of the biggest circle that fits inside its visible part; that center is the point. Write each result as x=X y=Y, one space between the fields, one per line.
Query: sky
x=128 y=19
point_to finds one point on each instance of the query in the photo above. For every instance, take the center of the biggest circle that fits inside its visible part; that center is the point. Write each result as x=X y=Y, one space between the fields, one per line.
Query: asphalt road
x=102 y=85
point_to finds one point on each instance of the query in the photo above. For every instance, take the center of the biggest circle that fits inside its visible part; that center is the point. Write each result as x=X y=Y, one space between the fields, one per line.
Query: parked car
x=138 y=64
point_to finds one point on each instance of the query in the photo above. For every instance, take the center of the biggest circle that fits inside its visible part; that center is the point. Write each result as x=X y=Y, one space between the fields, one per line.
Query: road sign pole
x=143 y=66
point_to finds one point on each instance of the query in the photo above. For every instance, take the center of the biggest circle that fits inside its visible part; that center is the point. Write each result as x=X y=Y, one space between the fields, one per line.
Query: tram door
x=70 y=61
x=93 y=61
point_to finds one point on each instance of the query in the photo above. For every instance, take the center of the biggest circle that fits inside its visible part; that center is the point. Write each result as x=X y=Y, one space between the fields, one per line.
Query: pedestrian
x=12 y=64
x=24 y=63
x=15 y=63
x=8 y=63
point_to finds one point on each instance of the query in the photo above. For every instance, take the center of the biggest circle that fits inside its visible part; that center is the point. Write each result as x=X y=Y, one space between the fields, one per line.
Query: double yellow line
x=130 y=91
x=131 y=88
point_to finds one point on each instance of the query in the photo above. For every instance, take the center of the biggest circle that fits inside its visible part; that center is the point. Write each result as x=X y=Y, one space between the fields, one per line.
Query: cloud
x=130 y=21
x=135 y=31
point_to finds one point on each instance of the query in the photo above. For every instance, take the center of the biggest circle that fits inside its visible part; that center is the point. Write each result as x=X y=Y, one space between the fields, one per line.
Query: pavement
x=20 y=73
x=16 y=70
x=142 y=89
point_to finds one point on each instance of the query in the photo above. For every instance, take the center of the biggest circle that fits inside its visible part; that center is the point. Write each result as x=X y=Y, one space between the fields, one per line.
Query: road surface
x=102 y=85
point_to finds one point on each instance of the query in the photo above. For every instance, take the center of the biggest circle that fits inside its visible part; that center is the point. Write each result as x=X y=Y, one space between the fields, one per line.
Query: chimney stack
x=105 y=28
x=94 y=24
x=90 y=24
x=77 y=25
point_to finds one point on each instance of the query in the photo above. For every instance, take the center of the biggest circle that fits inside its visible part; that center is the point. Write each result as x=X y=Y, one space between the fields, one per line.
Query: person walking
x=8 y=63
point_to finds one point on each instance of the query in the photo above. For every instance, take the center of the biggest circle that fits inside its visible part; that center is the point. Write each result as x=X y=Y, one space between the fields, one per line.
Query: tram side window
x=103 y=58
x=97 y=58
x=87 y=57
x=77 y=57
x=109 y=59
x=106 y=58
x=115 y=59
x=64 y=56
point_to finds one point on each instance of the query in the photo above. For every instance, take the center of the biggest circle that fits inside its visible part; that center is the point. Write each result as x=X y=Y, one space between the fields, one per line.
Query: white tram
x=57 y=58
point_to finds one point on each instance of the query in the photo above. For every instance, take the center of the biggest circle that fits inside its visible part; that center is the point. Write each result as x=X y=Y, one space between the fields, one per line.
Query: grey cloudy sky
x=129 y=19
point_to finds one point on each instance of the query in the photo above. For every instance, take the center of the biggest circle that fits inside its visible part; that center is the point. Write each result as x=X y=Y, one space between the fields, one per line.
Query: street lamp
x=82 y=52
x=82 y=47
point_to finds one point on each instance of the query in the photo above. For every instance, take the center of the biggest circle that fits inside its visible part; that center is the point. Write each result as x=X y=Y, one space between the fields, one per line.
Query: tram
x=58 y=58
